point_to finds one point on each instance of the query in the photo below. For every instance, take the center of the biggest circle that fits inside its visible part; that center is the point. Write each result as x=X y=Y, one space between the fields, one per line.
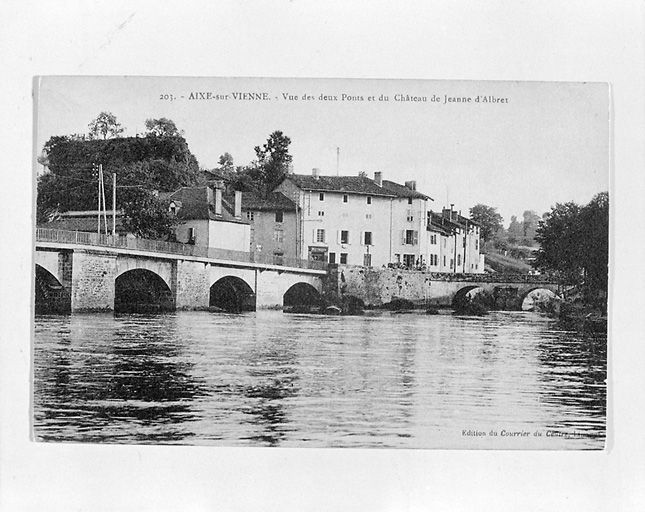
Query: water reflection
x=268 y=379
x=583 y=391
x=123 y=377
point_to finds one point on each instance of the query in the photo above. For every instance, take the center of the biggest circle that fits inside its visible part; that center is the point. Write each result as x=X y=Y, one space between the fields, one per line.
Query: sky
x=535 y=144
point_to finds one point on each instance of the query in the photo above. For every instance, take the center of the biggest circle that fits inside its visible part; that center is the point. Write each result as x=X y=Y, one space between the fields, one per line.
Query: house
x=409 y=210
x=454 y=243
x=206 y=220
x=275 y=227
x=343 y=219
x=356 y=220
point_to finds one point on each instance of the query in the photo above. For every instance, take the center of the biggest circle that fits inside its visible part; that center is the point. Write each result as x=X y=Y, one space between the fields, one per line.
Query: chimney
x=315 y=172
x=237 y=205
x=378 y=178
x=412 y=185
x=218 y=201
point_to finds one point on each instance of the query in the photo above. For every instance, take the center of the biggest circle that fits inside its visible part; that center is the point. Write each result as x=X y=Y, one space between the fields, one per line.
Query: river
x=511 y=380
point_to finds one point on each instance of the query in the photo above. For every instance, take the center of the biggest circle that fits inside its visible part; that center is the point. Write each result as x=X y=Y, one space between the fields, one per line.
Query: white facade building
x=205 y=221
x=354 y=220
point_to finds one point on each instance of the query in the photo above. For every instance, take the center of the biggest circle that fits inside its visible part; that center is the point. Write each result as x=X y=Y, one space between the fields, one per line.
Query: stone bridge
x=376 y=287
x=88 y=272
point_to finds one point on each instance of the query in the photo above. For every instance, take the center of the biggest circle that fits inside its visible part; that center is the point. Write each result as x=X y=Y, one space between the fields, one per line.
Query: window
x=433 y=239
x=191 y=235
x=250 y=216
x=367 y=260
x=343 y=258
x=332 y=257
x=278 y=258
x=321 y=196
x=444 y=261
x=458 y=260
x=369 y=199
x=345 y=198
x=344 y=237
x=278 y=235
x=408 y=260
x=476 y=245
x=320 y=235
x=410 y=216
x=368 y=215
x=410 y=237
x=279 y=216
x=452 y=262
x=409 y=200
x=368 y=238
x=321 y=213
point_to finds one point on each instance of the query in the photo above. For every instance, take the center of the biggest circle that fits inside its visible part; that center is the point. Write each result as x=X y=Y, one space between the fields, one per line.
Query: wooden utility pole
x=113 y=204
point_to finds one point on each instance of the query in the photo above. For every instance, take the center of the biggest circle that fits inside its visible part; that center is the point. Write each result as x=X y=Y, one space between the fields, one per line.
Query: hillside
x=497 y=262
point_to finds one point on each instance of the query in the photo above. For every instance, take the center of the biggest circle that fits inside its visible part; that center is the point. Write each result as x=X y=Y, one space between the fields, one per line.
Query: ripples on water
x=268 y=379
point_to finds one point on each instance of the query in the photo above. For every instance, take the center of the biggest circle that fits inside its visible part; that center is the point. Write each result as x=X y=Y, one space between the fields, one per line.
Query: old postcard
x=321 y=263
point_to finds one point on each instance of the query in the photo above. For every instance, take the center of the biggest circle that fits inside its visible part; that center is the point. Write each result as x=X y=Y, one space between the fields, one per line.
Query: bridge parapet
x=159 y=246
x=500 y=278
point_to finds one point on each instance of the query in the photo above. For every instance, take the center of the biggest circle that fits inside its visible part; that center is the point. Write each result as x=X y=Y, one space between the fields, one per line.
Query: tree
x=142 y=164
x=162 y=127
x=273 y=160
x=488 y=219
x=226 y=162
x=105 y=126
x=529 y=226
x=574 y=245
x=559 y=237
x=515 y=230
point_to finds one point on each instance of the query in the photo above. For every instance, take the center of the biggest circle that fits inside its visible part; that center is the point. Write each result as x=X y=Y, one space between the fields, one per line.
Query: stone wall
x=376 y=287
x=190 y=285
x=93 y=278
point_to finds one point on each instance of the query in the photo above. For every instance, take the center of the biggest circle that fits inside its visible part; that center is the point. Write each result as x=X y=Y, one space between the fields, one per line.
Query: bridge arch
x=535 y=295
x=301 y=297
x=141 y=290
x=50 y=295
x=161 y=269
x=232 y=294
x=466 y=291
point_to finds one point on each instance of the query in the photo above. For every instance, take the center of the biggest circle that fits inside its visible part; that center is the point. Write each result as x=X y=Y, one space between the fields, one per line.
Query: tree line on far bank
x=571 y=242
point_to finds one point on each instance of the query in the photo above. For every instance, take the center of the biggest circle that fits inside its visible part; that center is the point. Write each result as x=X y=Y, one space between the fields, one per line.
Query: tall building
x=355 y=220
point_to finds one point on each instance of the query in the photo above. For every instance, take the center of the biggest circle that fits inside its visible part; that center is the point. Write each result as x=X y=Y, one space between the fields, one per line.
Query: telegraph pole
x=104 y=203
x=98 y=209
x=113 y=204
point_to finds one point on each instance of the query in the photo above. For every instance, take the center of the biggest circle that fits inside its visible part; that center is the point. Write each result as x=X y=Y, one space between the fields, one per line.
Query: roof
x=440 y=224
x=276 y=201
x=195 y=206
x=403 y=191
x=354 y=185
x=343 y=184
x=86 y=224
x=457 y=218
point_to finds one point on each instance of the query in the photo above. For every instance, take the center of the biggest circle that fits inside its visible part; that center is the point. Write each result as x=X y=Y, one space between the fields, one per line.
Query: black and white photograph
x=321 y=263
x=322 y=256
